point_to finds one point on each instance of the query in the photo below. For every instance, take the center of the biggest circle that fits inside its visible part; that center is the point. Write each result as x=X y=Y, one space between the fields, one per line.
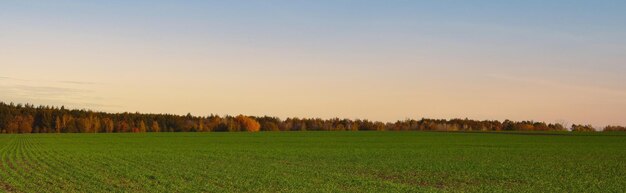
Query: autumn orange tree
x=248 y=124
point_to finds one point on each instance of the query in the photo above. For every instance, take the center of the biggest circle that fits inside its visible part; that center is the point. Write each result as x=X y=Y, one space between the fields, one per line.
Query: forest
x=19 y=118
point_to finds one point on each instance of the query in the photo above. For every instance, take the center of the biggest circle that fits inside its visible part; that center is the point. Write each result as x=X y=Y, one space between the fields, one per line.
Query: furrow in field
x=43 y=173
x=75 y=172
x=28 y=166
x=37 y=174
x=207 y=176
x=11 y=178
x=296 y=167
x=180 y=177
x=6 y=183
x=147 y=167
x=23 y=166
x=107 y=173
x=57 y=170
x=102 y=171
x=123 y=170
x=117 y=173
x=7 y=144
x=19 y=164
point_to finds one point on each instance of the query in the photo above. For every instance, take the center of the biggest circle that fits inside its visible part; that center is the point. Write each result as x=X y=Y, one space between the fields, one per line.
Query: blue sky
x=380 y=60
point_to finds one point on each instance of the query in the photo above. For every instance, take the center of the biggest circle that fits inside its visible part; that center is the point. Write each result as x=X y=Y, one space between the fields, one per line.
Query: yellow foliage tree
x=247 y=123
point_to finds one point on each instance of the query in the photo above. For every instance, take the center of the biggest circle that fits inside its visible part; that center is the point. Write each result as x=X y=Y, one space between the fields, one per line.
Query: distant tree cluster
x=583 y=128
x=614 y=128
x=45 y=119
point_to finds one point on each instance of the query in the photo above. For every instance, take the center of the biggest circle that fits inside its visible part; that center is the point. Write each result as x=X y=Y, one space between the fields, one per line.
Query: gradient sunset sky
x=554 y=61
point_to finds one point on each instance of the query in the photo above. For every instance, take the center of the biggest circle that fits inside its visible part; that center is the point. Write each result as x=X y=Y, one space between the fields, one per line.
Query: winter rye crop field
x=314 y=162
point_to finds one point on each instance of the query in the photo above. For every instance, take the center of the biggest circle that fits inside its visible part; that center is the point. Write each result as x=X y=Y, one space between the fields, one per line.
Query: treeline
x=45 y=119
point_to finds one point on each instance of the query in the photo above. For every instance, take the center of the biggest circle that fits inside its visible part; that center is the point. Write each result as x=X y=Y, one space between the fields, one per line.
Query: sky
x=554 y=61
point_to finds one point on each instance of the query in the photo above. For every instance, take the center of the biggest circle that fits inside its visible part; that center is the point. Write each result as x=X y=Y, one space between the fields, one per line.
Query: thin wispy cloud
x=557 y=84
x=50 y=81
x=10 y=78
x=42 y=90
x=78 y=82
x=78 y=94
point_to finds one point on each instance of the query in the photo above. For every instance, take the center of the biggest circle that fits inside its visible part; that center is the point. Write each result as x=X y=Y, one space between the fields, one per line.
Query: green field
x=314 y=162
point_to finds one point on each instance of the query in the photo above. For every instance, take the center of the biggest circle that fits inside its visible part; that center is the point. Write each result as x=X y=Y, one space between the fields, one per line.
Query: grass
x=313 y=162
